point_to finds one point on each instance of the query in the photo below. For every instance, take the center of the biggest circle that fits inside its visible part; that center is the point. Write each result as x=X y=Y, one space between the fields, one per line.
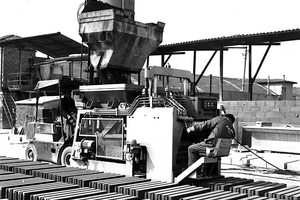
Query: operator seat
x=221 y=149
x=211 y=160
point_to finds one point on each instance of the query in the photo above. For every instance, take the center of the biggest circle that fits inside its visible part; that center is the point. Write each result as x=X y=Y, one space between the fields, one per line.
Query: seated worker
x=69 y=113
x=218 y=128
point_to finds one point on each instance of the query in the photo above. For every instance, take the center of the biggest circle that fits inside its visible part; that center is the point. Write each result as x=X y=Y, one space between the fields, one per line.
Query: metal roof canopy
x=54 y=45
x=223 y=43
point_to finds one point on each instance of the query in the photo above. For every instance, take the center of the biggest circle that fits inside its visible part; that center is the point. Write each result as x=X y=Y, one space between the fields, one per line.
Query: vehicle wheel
x=31 y=153
x=65 y=158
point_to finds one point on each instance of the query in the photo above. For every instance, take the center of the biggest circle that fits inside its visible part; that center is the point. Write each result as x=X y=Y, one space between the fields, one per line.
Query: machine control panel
x=209 y=104
x=202 y=107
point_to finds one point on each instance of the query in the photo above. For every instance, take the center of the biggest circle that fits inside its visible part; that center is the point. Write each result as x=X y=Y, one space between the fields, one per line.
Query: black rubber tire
x=65 y=157
x=31 y=153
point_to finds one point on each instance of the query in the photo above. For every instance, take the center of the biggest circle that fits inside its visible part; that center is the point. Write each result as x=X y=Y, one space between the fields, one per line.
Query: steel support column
x=162 y=65
x=20 y=66
x=194 y=73
x=221 y=74
x=250 y=73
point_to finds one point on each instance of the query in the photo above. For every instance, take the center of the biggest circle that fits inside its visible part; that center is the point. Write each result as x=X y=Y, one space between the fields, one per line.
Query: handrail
x=141 y=101
x=18 y=80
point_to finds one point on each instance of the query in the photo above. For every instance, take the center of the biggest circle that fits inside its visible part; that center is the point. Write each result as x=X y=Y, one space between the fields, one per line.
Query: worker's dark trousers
x=194 y=151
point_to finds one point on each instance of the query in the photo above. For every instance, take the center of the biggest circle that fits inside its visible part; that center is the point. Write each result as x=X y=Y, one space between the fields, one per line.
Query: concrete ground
x=264 y=166
x=277 y=167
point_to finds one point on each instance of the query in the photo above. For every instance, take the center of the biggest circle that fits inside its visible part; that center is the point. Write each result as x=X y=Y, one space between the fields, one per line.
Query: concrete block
x=260 y=115
x=275 y=109
x=265 y=109
x=284 y=121
x=234 y=112
x=290 y=114
x=253 y=120
x=285 y=109
x=295 y=109
x=290 y=103
x=250 y=114
x=275 y=120
x=229 y=107
x=256 y=108
x=241 y=103
x=279 y=103
x=233 y=103
x=295 y=121
x=270 y=114
x=244 y=119
x=260 y=103
x=279 y=114
x=251 y=103
x=270 y=103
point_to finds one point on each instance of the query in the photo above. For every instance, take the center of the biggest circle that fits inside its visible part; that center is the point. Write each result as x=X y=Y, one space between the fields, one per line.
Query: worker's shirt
x=219 y=127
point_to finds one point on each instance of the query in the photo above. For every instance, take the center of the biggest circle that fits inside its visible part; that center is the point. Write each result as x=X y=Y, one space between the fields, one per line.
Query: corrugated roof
x=240 y=39
x=54 y=45
x=9 y=37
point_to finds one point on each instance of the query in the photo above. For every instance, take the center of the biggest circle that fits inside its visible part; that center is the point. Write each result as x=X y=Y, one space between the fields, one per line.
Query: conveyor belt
x=25 y=180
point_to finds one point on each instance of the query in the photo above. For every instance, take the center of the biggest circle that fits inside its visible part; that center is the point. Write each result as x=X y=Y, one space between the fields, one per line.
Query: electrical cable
x=287 y=173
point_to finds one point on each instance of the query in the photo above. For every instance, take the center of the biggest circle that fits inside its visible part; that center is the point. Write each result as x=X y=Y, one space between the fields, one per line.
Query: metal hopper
x=119 y=46
x=117 y=42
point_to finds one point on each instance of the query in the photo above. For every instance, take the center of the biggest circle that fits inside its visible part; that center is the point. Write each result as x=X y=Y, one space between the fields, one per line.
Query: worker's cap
x=231 y=117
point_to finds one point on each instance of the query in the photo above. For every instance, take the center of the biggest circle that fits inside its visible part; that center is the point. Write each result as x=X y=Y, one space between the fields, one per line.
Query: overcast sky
x=185 y=21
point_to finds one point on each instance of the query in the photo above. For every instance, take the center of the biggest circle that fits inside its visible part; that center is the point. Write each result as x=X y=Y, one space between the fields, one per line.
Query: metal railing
x=21 y=81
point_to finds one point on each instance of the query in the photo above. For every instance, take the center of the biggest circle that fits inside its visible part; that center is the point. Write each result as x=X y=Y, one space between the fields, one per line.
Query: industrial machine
x=132 y=129
x=130 y=124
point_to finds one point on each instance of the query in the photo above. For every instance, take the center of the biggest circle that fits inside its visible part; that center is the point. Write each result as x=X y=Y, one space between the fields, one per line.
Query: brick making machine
x=130 y=139
x=128 y=124
x=133 y=129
